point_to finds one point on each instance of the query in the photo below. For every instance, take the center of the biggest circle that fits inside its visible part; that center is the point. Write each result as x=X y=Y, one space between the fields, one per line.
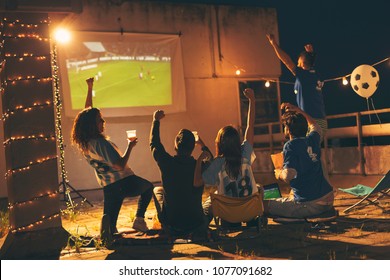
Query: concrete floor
x=360 y=234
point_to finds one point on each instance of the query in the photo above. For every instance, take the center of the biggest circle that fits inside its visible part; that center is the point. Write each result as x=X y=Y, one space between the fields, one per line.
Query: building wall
x=211 y=86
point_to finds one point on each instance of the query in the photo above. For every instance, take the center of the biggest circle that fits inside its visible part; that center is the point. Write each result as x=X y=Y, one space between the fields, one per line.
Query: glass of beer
x=131 y=134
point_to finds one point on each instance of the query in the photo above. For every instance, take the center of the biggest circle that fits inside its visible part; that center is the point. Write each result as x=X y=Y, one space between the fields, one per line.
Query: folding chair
x=382 y=188
x=237 y=209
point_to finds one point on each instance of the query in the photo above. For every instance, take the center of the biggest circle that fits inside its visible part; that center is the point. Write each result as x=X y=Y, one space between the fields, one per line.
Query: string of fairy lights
x=344 y=78
x=15 y=30
x=58 y=107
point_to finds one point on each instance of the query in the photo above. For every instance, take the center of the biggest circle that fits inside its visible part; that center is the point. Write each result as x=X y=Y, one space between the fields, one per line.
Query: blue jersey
x=304 y=155
x=308 y=88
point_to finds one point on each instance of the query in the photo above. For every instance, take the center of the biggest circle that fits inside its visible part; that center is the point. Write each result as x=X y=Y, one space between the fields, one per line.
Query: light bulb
x=238 y=72
x=62 y=35
x=267 y=84
x=345 y=81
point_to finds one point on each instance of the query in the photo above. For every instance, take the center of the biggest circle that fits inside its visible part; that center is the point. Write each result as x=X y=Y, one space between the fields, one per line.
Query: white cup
x=196 y=135
x=131 y=134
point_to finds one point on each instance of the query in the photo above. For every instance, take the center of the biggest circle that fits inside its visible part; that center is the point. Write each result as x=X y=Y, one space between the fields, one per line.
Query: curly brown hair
x=85 y=128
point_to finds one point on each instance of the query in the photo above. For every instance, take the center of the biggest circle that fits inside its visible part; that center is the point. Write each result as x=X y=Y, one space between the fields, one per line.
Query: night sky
x=345 y=34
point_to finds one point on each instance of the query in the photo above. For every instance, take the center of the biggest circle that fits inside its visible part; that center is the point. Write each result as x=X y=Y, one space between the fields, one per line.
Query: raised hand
x=271 y=38
x=132 y=142
x=90 y=82
x=289 y=107
x=249 y=93
x=309 y=48
x=158 y=115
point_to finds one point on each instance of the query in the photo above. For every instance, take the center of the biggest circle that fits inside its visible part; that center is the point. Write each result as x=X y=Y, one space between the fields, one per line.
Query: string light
x=21 y=78
x=23 y=55
x=17 y=29
x=32 y=200
x=267 y=84
x=343 y=78
x=39 y=222
x=40 y=137
x=58 y=106
x=28 y=167
x=18 y=22
x=36 y=105
x=29 y=36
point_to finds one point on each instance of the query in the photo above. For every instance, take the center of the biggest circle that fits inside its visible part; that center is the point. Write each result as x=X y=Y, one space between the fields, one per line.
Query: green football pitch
x=119 y=84
x=271 y=193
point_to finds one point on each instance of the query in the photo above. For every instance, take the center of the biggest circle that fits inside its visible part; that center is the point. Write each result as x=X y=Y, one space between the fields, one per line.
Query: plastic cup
x=131 y=134
x=196 y=136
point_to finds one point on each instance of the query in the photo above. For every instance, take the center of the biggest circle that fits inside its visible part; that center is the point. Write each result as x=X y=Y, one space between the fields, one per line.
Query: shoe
x=140 y=225
x=105 y=230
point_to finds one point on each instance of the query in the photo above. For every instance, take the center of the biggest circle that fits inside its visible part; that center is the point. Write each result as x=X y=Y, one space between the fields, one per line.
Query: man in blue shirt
x=308 y=85
x=302 y=168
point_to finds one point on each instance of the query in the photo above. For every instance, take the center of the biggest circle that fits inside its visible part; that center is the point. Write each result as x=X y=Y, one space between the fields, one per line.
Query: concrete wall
x=212 y=102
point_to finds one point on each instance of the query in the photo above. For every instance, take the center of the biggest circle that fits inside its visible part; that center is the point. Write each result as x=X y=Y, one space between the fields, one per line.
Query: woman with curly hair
x=110 y=165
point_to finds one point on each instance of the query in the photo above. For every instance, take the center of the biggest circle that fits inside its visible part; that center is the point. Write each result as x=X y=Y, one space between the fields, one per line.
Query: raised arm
x=282 y=55
x=88 y=101
x=290 y=107
x=250 y=126
x=156 y=146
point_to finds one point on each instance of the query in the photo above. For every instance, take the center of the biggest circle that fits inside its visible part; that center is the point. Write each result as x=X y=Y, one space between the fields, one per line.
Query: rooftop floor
x=360 y=234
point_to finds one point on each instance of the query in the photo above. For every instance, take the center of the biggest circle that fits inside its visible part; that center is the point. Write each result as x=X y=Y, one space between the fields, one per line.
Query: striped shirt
x=101 y=155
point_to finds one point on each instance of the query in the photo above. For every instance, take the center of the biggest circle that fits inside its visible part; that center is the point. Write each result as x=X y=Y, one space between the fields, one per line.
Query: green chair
x=382 y=188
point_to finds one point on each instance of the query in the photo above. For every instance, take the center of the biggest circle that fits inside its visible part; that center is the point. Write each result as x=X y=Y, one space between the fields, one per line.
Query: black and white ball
x=364 y=80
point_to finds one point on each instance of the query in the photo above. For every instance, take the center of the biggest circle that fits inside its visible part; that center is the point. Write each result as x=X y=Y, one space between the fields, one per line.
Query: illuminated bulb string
x=24 y=55
x=29 y=36
x=18 y=22
x=27 y=167
x=36 y=105
x=239 y=70
x=10 y=112
x=29 y=137
x=32 y=200
x=27 y=78
x=27 y=227
x=58 y=106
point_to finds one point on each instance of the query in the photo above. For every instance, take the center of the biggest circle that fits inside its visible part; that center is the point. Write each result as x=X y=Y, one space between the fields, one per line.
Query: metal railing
x=358 y=130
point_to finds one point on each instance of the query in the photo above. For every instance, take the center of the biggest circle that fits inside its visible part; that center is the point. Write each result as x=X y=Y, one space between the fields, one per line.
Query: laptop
x=272 y=191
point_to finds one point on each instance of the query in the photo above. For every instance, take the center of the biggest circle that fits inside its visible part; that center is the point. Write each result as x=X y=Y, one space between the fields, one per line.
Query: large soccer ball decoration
x=364 y=80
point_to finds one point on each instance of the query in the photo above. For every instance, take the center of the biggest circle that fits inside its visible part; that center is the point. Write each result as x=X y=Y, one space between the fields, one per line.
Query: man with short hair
x=302 y=168
x=178 y=201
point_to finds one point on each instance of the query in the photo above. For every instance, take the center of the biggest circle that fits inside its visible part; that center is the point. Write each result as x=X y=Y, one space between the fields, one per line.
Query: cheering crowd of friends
x=178 y=201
